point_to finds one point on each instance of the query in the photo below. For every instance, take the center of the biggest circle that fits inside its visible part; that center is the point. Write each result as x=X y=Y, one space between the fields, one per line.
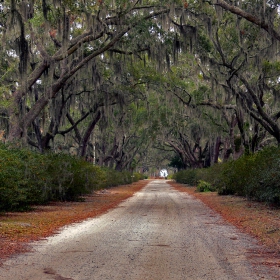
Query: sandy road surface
x=157 y=234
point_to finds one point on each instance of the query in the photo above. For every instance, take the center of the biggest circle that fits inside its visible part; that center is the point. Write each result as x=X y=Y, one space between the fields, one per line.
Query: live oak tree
x=55 y=40
x=240 y=52
x=234 y=63
x=204 y=73
x=244 y=63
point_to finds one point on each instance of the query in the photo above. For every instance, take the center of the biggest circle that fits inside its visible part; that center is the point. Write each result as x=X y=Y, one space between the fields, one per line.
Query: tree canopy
x=136 y=83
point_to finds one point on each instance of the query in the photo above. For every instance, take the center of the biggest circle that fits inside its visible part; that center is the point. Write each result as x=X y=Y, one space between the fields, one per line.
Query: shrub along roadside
x=28 y=178
x=204 y=186
x=255 y=176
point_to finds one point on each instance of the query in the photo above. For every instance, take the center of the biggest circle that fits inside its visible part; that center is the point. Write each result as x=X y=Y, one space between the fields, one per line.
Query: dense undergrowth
x=255 y=176
x=28 y=178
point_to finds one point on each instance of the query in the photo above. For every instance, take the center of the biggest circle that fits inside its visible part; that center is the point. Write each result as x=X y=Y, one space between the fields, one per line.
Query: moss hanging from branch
x=21 y=44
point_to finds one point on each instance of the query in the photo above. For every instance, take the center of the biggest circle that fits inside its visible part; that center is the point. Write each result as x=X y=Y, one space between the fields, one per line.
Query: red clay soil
x=18 y=229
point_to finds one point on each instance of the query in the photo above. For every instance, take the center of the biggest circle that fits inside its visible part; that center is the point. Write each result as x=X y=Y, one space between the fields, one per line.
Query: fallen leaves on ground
x=19 y=228
x=257 y=219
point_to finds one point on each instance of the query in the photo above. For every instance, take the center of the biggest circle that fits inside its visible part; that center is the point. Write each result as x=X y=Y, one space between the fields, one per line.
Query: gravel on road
x=158 y=234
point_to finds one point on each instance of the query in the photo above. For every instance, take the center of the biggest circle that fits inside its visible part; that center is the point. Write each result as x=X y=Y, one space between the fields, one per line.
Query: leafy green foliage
x=16 y=189
x=70 y=177
x=271 y=68
x=255 y=176
x=188 y=176
x=176 y=162
x=204 y=186
x=28 y=178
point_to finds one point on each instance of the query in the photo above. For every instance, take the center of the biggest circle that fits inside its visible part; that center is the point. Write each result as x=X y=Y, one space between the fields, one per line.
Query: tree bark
x=255 y=20
x=86 y=137
x=217 y=149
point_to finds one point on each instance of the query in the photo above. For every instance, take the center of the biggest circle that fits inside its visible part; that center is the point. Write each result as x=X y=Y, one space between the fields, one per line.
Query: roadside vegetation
x=254 y=176
x=29 y=178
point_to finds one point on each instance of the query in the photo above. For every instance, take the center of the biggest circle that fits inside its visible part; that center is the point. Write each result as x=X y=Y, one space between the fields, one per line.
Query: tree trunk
x=85 y=139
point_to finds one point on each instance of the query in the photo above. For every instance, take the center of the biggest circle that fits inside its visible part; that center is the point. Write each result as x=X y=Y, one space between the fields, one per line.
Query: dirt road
x=157 y=234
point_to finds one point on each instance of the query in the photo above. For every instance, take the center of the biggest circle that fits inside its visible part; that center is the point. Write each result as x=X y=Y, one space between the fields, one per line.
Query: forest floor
x=19 y=228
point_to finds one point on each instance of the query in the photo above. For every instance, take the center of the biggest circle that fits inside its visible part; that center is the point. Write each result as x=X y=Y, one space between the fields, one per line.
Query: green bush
x=204 y=186
x=28 y=178
x=115 y=178
x=17 y=192
x=138 y=176
x=255 y=176
x=70 y=177
x=188 y=176
x=264 y=184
